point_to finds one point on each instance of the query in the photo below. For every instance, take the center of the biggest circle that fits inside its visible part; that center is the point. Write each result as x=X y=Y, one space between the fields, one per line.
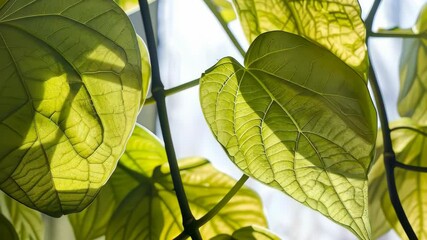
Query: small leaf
x=413 y=74
x=410 y=145
x=143 y=151
x=225 y=9
x=248 y=233
x=335 y=24
x=151 y=211
x=298 y=119
x=70 y=95
x=27 y=222
x=6 y=229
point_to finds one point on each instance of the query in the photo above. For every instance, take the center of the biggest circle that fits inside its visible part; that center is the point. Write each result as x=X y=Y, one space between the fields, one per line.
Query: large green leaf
x=27 y=222
x=69 y=96
x=143 y=151
x=413 y=74
x=6 y=229
x=335 y=24
x=410 y=145
x=248 y=233
x=298 y=119
x=152 y=212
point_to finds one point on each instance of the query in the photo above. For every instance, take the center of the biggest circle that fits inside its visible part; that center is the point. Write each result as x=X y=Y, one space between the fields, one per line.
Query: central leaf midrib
x=310 y=142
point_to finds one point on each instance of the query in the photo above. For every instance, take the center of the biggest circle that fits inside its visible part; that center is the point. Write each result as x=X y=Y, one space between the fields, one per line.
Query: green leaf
x=27 y=222
x=413 y=74
x=6 y=229
x=143 y=151
x=410 y=145
x=299 y=119
x=248 y=233
x=70 y=95
x=335 y=24
x=151 y=211
x=225 y=9
x=145 y=70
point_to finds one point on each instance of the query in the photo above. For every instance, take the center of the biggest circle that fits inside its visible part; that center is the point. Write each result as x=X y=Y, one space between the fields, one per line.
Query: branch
x=392 y=34
x=225 y=27
x=174 y=90
x=158 y=91
x=389 y=157
x=209 y=215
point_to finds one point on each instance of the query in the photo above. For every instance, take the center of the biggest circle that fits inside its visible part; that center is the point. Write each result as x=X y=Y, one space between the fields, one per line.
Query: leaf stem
x=225 y=26
x=215 y=210
x=389 y=157
x=409 y=128
x=369 y=22
x=174 y=90
x=394 y=35
x=158 y=92
x=410 y=167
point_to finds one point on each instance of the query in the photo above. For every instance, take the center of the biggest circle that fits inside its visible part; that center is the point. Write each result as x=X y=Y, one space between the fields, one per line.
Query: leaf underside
x=335 y=24
x=248 y=233
x=69 y=96
x=298 y=119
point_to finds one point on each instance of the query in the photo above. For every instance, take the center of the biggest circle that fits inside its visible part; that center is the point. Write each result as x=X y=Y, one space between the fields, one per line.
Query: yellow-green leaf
x=27 y=222
x=145 y=70
x=224 y=8
x=335 y=24
x=413 y=74
x=248 y=233
x=151 y=211
x=298 y=119
x=410 y=145
x=70 y=93
x=143 y=153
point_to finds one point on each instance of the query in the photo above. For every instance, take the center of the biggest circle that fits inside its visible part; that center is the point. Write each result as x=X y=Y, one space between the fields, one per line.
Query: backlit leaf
x=335 y=24
x=225 y=9
x=69 y=96
x=413 y=74
x=145 y=70
x=410 y=146
x=27 y=222
x=6 y=229
x=151 y=211
x=298 y=119
x=143 y=151
x=248 y=233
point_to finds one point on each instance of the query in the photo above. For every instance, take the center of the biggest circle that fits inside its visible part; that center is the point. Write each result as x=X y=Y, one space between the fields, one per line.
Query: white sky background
x=191 y=40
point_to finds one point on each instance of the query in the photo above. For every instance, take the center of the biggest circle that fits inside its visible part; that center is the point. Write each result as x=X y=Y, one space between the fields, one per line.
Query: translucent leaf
x=145 y=70
x=151 y=211
x=69 y=97
x=6 y=229
x=335 y=24
x=143 y=151
x=413 y=74
x=410 y=145
x=127 y=5
x=248 y=233
x=225 y=9
x=298 y=119
x=27 y=222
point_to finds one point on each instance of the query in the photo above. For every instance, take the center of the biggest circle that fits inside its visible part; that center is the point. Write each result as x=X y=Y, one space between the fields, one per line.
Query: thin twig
x=174 y=90
x=209 y=215
x=158 y=91
x=225 y=26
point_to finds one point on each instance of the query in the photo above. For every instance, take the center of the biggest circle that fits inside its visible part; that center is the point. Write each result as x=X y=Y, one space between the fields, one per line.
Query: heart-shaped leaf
x=69 y=97
x=410 y=145
x=335 y=24
x=27 y=222
x=298 y=119
x=248 y=233
x=151 y=211
x=143 y=152
x=413 y=74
